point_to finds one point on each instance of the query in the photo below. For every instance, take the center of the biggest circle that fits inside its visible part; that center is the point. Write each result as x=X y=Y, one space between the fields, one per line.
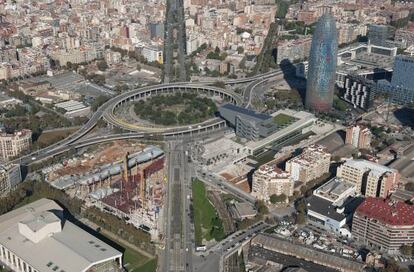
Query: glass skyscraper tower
x=322 y=65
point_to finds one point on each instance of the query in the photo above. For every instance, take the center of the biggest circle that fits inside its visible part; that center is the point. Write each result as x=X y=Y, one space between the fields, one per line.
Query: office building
x=322 y=65
x=270 y=180
x=10 y=176
x=396 y=94
x=291 y=126
x=378 y=34
x=156 y=30
x=37 y=238
x=384 y=224
x=313 y=163
x=358 y=136
x=13 y=144
x=372 y=179
x=331 y=206
x=403 y=75
x=248 y=123
x=267 y=131
x=401 y=88
x=358 y=91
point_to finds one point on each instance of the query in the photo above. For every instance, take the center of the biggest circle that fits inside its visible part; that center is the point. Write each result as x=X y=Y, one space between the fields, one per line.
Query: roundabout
x=225 y=96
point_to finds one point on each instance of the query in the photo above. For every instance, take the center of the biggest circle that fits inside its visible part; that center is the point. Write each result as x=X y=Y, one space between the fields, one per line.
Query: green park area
x=207 y=224
x=176 y=109
x=49 y=137
x=282 y=119
x=136 y=262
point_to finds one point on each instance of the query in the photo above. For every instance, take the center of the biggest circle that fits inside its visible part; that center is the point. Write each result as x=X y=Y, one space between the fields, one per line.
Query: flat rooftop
x=376 y=169
x=324 y=207
x=69 y=249
x=302 y=119
x=405 y=163
x=244 y=111
x=334 y=189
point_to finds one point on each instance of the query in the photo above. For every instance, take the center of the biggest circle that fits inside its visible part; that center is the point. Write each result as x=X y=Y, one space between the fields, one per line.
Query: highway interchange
x=75 y=140
x=179 y=240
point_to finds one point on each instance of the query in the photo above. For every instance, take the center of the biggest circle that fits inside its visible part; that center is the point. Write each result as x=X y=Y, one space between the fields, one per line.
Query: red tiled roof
x=389 y=212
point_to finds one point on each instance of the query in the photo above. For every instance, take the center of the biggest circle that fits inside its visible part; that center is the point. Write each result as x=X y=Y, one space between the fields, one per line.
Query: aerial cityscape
x=195 y=135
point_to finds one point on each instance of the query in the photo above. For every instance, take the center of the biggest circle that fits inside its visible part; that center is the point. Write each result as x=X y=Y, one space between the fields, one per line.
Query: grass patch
x=229 y=198
x=150 y=266
x=136 y=262
x=176 y=109
x=283 y=119
x=207 y=225
x=48 y=138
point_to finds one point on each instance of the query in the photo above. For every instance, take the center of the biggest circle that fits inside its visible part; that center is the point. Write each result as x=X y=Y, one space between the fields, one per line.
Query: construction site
x=131 y=186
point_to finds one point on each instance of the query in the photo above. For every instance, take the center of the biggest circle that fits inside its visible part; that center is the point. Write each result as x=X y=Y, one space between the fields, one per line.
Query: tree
x=102 y=65
x=240 y=50
x=242 y=64
x=406 y=250
x=99 y=101
x=300 y=219
x=300 y=212
x=219 y=84
x=217 y=230
x=277 y=198
x=339 y=104
x=409 y=186
x=261 y=207
x=139 y=67
x=69 y=65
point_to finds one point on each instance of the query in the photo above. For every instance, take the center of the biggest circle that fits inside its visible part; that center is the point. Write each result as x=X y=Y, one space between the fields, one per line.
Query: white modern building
x=331 y=206
x=37 y=238
x=301 y=123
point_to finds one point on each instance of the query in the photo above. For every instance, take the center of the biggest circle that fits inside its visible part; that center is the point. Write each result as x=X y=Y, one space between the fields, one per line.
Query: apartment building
x=359 y=137
x=270 y=180
x=293 y=50
x=311 y=164
x=358 y=91
x=10 y=176
x=151 y=54
x=12 y=144
x=371 y=179
x=78 y=55
x=384 y=224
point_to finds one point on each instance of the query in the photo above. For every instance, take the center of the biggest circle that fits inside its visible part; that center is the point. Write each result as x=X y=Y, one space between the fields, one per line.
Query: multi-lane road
x=175 y=42
x=74 y=140
x=178 y=240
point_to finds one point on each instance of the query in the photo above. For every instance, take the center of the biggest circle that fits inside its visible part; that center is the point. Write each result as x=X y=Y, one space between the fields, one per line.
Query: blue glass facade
x=403 y=74
x=322 y=65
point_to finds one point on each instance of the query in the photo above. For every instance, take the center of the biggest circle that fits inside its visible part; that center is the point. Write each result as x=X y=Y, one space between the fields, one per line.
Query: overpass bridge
x=69 y=142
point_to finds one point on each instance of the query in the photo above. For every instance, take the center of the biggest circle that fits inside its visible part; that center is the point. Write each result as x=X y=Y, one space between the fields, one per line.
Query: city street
x=178 y=250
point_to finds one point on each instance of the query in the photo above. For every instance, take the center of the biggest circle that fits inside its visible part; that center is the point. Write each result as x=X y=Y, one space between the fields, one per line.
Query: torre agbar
x=322 y=65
